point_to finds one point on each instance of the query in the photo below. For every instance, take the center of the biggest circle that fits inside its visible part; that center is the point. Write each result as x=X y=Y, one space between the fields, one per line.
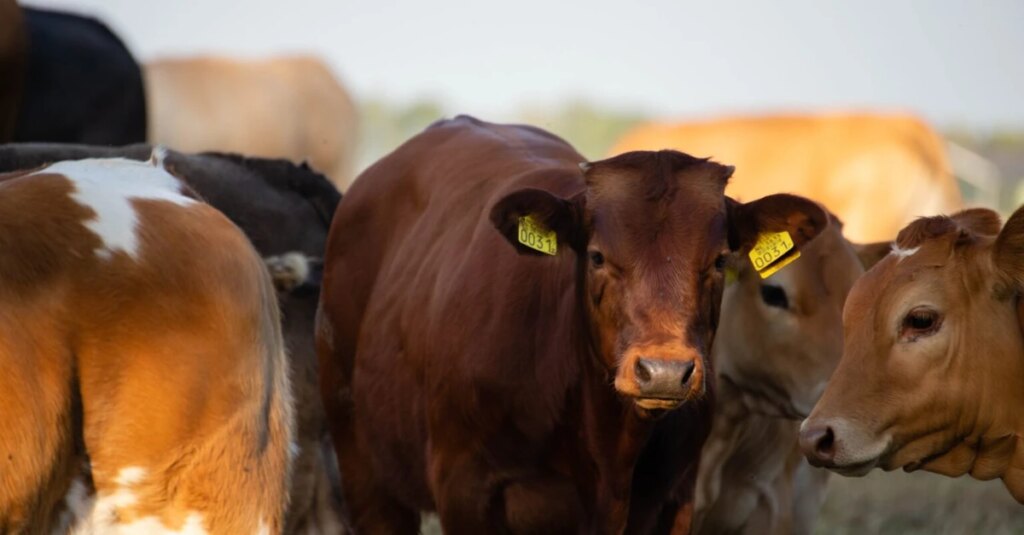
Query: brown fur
x=945 y=398
x=464 y=373
x=285 y=211
x=173 y=363
x=875 y=171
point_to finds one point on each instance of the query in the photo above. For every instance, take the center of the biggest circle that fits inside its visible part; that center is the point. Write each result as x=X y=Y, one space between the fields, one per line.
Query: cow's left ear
x=871 y=253
x=1008 y=252
x=802 y=218
x=546 y=213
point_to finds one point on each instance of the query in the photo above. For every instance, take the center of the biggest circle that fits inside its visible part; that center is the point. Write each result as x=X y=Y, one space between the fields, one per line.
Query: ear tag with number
x=772 y=253
x=536 y=236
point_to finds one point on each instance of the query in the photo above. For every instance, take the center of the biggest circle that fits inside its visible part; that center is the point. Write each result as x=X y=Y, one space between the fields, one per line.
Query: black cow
x=80 y=84
x=285 y=209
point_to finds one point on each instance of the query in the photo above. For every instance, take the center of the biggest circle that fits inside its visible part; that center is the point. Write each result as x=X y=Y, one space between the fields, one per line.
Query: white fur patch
x=95 y=515
x=108 y=187
x=902 y=253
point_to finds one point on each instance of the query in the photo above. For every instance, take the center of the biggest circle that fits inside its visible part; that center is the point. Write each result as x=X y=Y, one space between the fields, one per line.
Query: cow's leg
x=185 y=394
x=372 y=509
x=470 y=499
x=38 y=424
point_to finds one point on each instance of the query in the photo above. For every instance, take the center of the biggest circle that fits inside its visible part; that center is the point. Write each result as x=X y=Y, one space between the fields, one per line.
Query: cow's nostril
x=642 y=370
x=687 y=372
x=825 y=444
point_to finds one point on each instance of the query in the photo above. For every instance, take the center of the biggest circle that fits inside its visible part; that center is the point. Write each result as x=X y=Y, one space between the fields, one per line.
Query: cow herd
x=488 y=326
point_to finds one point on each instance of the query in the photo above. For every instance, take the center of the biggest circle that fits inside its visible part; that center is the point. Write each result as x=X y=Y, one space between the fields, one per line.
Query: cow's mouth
x=654 y=404
x=858 y=469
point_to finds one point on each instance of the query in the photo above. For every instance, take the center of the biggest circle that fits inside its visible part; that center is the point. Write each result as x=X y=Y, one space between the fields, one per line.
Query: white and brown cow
x=144 y=385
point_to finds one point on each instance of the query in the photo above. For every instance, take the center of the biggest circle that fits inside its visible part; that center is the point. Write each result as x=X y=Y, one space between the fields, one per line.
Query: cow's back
x=289 y=107
x=876 y=172
x=82 y=85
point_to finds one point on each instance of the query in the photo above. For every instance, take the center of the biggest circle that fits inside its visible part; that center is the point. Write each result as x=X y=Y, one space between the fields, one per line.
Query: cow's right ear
x=871 y=253
x=551 y=213
x=1008 y=252
x=802 y=218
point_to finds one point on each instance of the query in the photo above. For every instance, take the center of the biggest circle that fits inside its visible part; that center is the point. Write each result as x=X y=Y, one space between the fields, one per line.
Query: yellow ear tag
x=536 y=236
x=770 y=253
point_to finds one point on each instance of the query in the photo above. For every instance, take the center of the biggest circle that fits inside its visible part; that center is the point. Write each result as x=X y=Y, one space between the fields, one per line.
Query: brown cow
x=285 y=211
x=875 y=171
x=287 y=107
x=778 y=341
x=932 y=373
x=516 y=391
x=144 y=378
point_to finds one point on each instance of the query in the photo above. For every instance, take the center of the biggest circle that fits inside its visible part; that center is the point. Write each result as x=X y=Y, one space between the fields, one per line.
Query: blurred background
x=590 y=71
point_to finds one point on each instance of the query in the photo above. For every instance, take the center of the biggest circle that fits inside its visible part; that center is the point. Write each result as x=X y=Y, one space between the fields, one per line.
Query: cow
x=875 y=171
x=932 y=372
x=145 y=384
x=285 y=210
x=13 y=46
x=78 y=83
x=516 y=390
x=779 y=339
x=286 y=107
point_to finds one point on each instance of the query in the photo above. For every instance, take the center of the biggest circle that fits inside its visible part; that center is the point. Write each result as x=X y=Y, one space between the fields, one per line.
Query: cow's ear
x=545 y=214
x=871 y=253
x=802 y=218
x=1008 y=252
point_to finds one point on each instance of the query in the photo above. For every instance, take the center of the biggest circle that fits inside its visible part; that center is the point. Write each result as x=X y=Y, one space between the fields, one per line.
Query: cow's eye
x=596 y=258
x=921 y=321
x=720 y=262
x=774 y=296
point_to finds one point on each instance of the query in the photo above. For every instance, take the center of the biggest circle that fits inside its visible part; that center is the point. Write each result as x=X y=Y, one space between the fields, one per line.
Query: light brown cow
x=144 y=380
x=876 y=172
x=287 y=107
x=780 y=338
x=932 y=373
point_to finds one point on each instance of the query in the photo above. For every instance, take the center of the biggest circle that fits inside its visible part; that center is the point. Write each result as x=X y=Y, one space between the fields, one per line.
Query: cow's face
x=780 y=338
x=651 y=234
x=932 y=351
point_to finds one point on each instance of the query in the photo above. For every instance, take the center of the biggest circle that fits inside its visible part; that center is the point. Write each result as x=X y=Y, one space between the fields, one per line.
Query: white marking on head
x=902 y=253
x=108 y=187
x=294 y=449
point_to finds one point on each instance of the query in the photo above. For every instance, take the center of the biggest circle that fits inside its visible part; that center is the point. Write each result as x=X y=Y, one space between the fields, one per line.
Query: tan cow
x=932 y=373
x=144 y=385
x=779 y=340
x=287 y=107
x=876 y=172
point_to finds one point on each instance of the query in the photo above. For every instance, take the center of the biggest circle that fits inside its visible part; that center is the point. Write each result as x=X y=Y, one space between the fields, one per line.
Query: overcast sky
x=958 y=62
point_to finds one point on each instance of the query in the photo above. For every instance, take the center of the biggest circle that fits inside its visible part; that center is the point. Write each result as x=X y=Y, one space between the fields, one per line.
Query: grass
x=905 y=504
x=918 y=503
